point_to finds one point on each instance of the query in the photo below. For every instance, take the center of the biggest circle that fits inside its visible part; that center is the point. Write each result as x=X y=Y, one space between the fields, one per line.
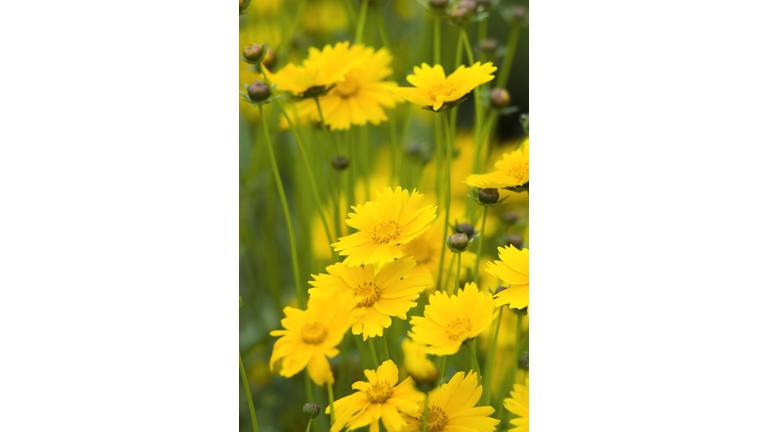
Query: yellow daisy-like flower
x=381 y=293
x=512 y=269
x=361 y=97
x=384 y=226
x=511 y=171
x=310 y=336
x=452 y=408
x=421 y=369
x=379 y=398
x=432 y=88
x=321 y=69
x=449 y=321
x=517 y=404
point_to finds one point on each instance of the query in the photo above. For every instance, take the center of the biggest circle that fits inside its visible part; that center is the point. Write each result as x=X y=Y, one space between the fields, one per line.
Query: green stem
x=506 y=64
x=475 y=275
x=488 y=371
x=361 y=22
x=330 y=402
x=335 y=192
x=509 y=381
x=442 y=367
x=475 y=364
x=248 y=393
x=448 y=151
x=482 y=30
x=458 y=276
x=467 y=46
x=447 y=288
x=286 y=212
x=425 y=416
x=386 y=348
x=436 y=35
x=309 y=424
x=373 y=353
x=324 y=127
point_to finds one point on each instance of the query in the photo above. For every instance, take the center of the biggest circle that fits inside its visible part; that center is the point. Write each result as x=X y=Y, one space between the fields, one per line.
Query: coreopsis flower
x=433 y=89
x=511 y=171
x=452 y=408
x=449 y=321
x=382 y=293
x=513 y=270
x=361 y=96
x=320 y=70
x=421 y=369
x=517 y=404
x=384 y=227
x=379 y=398
x=310 y=337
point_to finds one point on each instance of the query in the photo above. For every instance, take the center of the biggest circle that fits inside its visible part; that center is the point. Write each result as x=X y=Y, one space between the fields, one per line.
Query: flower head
x=517 y=404
x=452 y=408
x=319 y=70
x=379 y=398
x=309 y=337
x=432 y=88
x=381 y=293
x=512 y=269
x=384 y=226
x=421 y=369
x=449 y=321
x=511 y=171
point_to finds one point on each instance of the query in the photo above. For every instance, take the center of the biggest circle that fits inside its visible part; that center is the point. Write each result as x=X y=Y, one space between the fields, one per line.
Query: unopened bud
x=259 y=91
x=438 y=4
x=457 y=242
x=515 y=240
x=269 y=59
x=519 y=13
x=523 y=361
x=253 y=52
x=500 y=98
x=466 y=229
x=488 y=196
x=459 y=14
x=509 y=217
x=489 y=45
x=312 y=410
x=340 y=162
x=469 y=5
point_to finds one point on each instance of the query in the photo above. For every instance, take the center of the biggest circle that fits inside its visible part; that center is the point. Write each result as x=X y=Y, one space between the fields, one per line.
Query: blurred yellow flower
x=510 y=171
x=384 y=227
x=517 y=404
x=452 y=408
x=432 y=88
x=379 y=398
x=417 y=364
x=449 y=321
x=310 y=336
x=425 y=249
x=512 y=269
x=320 y=69
x=381 y=293
x=323 y=16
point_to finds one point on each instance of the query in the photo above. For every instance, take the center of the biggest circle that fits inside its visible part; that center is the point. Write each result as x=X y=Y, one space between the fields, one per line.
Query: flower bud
x=523 y=361
x=488 y=196
x=269 y=59
x=458 y=242
x=469 y=5
x=438 y=4
x=489 y=45
x=459 y=14
x=312 y=410
x=465 y=228
x=340 y=162
x=259 y=91
x=500 y=98
x=519 y=13
x=253 y=52
x=515 y=240
x=509 y=217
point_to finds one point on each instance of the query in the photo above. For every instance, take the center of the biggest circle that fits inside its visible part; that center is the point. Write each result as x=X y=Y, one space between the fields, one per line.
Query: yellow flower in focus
x=512 y=269
x=452 y=408
x=517 y=404
x=511 y=171
x=386 y=292
x=432 y=88
x=310 y=337
x=449 y=321
x=421 y=369
x=379 y=398
x=384 y=227
x=321 y=69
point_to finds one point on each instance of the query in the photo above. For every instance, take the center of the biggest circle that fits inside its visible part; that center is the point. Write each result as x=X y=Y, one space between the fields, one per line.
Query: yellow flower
x=452 y=408
x=421 y=369
x=389 y=291
x=432 y=88
x=449 y=321
x=359 y=98
x=517 y=404
x=511 y=171
x=512 y=269
x=310 y=336
x=384 y=227
x=379 y=398
x=321 y=69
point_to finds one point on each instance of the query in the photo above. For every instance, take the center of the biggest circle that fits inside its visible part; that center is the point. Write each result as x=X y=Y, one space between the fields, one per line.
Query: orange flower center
x=456 y=328
x=436 y=420
x=386 y=232
x=442 y=89
x=313 y=333
x=370 y=291
x=379 y=392
x=518 y=172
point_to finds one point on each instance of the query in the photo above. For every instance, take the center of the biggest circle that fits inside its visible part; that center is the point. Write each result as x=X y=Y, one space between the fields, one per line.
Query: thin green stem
x=447 y=287
x=436 y=36
x=473 y=351
x=373 y=353
x=335 y=190
x=448 y=154
x=425 y=415
x=442 y=367
x=361 y=22
x=386 y=348
x=351 y=11
x=383 y=30
x=248 y=393
x=467 y=46
x=286 y=212
x=506 y=64
x=458 y=275
x=309 y=424
x=324 y=127
x=475 y=274
x=330 y=402
x=489 y=359
x=482 y=29
x=509 y=381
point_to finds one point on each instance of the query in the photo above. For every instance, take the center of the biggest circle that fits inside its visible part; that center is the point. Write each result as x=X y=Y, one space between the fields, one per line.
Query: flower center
x=456 y=328
x=385 y=232
x=313 y=333
x=370 y=291
x=518 y=172
x=436 y=420
x=419 y=249
x=379 y=392
x=442 y=89
x=347 y=88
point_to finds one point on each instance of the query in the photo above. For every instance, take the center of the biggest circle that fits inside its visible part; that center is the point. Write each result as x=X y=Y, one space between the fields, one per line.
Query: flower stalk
x=248 y=393
x=476 y=273
x=489 y=360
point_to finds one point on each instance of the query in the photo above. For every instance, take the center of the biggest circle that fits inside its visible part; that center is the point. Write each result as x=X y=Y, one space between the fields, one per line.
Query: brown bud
x=515 y=240
x=438 y=4
x=459 y=14
x=340 y=162
x=269 y=59
x=469 y=5
x=259 y=91
x=465 y=228
x=253 y=52
x=457 y=242
x=488 y=196
x=489 y=45
x=500 y=98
